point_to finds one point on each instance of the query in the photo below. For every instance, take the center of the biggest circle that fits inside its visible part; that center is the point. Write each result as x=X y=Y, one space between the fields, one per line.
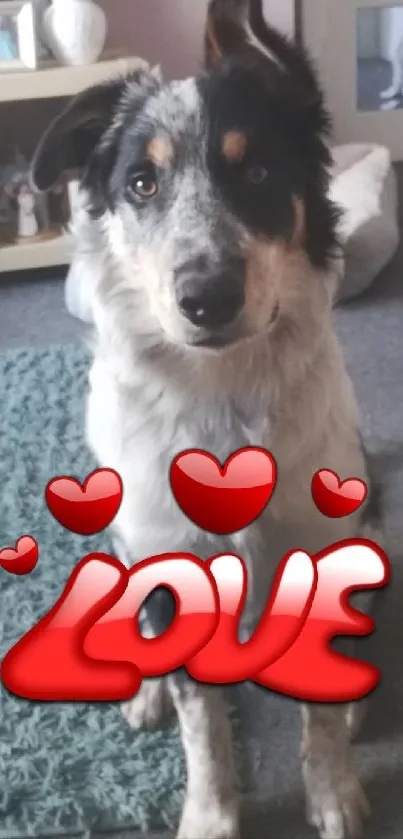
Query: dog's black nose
x=213 y=301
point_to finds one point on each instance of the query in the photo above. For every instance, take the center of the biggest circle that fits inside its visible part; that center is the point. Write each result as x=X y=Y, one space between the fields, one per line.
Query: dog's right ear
x=92 y=118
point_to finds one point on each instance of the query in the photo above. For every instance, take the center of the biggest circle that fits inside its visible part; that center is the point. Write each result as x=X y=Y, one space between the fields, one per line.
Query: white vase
x=75 y=31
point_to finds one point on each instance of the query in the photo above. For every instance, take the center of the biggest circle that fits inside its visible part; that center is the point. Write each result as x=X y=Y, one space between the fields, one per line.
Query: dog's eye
x=256 y=174
x=143 y=184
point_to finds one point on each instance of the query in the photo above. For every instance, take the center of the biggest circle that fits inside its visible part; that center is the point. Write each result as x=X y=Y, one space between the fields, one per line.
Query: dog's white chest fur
x=138 y=430
x=139 y=426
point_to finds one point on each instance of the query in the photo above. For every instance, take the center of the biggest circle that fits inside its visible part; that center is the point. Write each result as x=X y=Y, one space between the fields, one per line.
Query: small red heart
x=335 y=498
x=22 y=559
x=89 y=508
x=225 y=499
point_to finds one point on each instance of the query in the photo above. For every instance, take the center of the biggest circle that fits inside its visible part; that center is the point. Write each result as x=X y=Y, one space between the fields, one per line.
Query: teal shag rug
x=64 y=768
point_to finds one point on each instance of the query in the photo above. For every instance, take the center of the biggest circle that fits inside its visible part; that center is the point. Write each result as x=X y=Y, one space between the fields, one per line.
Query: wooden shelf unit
x=52 y=82
x=23 y=257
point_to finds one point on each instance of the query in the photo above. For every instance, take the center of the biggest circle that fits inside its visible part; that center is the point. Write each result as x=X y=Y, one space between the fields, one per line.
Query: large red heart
x=225 y=499
x=335 y=498
x=89 y=508
x=22 y=559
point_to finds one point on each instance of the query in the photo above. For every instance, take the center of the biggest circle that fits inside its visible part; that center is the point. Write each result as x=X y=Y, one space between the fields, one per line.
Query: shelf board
x=50 y=82
x=36 y=254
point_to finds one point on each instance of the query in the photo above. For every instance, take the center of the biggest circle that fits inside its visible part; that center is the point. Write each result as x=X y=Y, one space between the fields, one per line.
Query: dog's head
x=206 y=188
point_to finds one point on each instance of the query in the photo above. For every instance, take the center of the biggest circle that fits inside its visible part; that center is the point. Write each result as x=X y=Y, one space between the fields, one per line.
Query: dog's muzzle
x=210 y=299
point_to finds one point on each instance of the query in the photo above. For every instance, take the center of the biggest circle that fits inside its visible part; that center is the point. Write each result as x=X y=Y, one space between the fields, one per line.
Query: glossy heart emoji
x=89 y=508
x=335 y=498
x=225 y=499
x=22 y=559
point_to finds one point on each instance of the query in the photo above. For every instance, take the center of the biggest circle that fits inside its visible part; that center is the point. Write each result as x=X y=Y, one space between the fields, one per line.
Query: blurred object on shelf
x=10 y=165
x=45 y=55
x=75 y=30
x=59 y=206
x=18 y=43
x=25 y=215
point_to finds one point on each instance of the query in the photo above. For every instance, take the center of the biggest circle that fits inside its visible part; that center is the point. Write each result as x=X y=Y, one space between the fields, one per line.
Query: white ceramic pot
x=75 y=31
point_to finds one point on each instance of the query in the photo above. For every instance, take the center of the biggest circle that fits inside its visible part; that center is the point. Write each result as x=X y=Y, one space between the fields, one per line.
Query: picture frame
x=354 y=46
x=18 y=42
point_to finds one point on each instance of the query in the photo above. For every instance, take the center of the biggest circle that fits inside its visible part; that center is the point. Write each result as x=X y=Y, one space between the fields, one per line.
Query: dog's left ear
x=91 y=121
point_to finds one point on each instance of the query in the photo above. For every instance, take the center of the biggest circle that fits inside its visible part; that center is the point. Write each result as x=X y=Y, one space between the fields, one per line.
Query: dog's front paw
x=336 y=803
x=209 y=821
x=151 y=706
x=355 y=716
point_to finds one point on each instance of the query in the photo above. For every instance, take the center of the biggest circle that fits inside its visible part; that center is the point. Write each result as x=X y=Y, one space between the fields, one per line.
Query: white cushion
x=365 y=187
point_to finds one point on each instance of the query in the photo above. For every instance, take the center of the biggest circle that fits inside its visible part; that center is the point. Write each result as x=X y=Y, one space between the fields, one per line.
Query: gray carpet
x=32 y=311
x=74 y=767
x=371 y=330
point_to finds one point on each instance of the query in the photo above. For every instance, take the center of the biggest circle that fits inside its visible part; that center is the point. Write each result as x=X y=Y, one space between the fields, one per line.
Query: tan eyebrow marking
x=160 y=150
x=234 y=146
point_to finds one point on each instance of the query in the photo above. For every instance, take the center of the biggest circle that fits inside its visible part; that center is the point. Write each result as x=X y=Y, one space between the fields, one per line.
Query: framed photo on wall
x=18 y=48
x=357 y=46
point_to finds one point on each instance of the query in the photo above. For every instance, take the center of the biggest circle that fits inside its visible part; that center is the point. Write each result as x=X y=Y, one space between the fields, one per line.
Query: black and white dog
x=207 y=220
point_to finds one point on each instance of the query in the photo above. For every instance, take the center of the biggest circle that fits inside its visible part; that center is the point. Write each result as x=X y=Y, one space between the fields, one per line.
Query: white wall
x=280 y=13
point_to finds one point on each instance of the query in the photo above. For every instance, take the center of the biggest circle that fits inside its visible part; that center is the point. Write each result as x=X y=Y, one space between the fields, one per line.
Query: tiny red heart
x=86 y=508
x=22 y=559
x=335 y=498
x=225 y=499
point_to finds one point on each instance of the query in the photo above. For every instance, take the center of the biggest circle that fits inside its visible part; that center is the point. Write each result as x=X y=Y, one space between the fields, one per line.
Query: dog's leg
x=151 y=707
x=336 y=804
x=355 y=712
x=355 y=716
x=153 y=704
x=372 y=529
x=211 y=804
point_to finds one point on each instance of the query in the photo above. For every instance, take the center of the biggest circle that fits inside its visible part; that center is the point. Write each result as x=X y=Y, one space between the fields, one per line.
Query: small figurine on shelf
x=27 y=221
x=26 y=215
x=32 y=212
